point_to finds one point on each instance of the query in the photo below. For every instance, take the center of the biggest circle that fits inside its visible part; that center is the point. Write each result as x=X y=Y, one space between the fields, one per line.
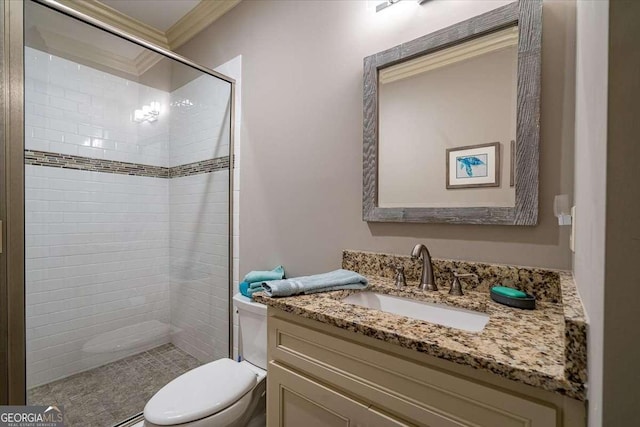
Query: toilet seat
x=200 y=393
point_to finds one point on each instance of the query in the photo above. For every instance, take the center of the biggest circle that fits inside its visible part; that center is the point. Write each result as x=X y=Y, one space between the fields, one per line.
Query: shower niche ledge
x=132 y=338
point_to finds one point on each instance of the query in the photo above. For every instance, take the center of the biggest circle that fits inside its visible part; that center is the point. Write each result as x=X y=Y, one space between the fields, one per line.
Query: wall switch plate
x=564 y=220
x=572 y=236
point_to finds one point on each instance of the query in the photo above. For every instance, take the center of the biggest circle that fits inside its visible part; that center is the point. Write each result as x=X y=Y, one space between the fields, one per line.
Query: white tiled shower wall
x=97 y=259
x=74 y=109
x=199 y=219
x=199 y=117
x=99 y=245
x=200 y=264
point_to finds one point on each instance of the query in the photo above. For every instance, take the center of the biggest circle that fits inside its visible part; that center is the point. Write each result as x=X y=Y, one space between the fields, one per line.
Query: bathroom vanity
x=334 y=363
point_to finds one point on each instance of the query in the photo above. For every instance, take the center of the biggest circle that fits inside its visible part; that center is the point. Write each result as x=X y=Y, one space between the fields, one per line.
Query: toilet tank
x=252 y=320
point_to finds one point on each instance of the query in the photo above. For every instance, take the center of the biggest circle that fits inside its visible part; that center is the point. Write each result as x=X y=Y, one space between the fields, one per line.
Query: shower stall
x=126 y=182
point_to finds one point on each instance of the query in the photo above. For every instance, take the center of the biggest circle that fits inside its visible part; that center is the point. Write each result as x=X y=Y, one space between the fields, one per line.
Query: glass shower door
x=127 y=184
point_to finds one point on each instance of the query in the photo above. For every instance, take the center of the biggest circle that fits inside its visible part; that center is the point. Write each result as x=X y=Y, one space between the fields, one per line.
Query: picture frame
x=473 y=166
x=512 y=169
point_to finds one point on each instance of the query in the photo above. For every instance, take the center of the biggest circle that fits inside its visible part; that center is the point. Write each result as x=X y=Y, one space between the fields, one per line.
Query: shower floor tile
x=109 y=394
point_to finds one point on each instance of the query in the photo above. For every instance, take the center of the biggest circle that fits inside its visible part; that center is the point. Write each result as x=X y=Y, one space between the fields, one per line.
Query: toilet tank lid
x=243 y=303
x=199 y=393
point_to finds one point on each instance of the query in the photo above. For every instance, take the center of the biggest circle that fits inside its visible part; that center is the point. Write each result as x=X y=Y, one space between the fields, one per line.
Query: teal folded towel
x=332 y=281
x=255 y=285
x=248 y=289
x=263 y=276
x=252 y=291
x=244 y=289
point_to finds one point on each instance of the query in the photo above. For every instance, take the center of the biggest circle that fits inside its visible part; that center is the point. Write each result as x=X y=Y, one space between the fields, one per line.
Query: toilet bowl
x=223 y=393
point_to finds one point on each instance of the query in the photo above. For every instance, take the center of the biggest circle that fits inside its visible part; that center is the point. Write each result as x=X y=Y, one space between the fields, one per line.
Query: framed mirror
x=451 y=123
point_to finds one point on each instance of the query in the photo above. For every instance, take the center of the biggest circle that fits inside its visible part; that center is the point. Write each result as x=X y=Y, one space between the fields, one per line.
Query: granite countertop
x=545 y=347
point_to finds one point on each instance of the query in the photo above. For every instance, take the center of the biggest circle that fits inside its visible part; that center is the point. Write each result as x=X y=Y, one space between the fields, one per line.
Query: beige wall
x=301 y=155
x=590 y=182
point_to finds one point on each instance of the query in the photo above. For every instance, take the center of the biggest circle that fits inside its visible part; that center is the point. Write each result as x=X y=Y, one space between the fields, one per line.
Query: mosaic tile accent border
x=69 y=161
x=195 y=168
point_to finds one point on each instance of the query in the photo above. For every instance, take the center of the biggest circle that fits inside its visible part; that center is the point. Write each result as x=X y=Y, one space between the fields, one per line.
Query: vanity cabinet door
x=294 y=400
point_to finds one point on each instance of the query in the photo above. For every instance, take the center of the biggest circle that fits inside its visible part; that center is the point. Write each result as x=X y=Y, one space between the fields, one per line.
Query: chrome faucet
x=427 y=282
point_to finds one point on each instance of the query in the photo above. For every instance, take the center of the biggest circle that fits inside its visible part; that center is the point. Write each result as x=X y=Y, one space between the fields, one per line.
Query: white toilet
x=223 y=393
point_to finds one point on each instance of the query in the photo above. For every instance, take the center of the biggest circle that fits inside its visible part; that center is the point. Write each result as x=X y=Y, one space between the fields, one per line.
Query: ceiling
x=161 y=14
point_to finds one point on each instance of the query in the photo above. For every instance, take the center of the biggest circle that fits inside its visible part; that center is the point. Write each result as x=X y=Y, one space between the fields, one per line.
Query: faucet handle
x=401 y=280
x=456 y=286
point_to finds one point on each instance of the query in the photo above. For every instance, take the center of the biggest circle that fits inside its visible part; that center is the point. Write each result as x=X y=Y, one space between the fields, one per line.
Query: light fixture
x=385 y=4
x=181 y=103
x=148 y=113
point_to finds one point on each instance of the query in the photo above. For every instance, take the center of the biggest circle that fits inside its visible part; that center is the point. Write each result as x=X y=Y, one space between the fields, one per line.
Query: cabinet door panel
x=295 y=400
x=403 y=388
x=297 y=409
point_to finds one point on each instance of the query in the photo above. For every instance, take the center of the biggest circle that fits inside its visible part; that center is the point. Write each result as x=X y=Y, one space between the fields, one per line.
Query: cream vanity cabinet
x=321 y=375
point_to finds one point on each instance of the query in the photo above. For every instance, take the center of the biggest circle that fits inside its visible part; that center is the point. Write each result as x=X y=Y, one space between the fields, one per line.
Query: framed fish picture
x=473 y=166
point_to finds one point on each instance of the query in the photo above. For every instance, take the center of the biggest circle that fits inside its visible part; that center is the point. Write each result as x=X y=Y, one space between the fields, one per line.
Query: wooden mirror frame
x=527 y=15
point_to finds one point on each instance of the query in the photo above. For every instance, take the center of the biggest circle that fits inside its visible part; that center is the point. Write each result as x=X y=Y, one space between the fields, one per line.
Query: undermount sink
x=453 y=317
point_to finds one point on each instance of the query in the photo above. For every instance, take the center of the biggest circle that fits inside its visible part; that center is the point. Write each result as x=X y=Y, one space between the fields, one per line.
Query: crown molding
x=115 y=18
x=77 y=50
x=196 y=20
x=145 y=61
x=489 y=43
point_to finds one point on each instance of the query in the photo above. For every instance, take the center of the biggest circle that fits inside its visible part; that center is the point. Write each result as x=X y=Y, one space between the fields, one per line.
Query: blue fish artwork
x=471 y=164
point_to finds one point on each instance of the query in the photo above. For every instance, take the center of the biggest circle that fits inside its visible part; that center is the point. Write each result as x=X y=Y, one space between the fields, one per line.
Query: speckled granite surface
x=544 y=348
x=575 y=330
x=542 y=284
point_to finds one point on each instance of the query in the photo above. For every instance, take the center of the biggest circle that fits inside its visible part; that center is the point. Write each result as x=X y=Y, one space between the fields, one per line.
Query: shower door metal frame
x=12 y=227
x=12 y=309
